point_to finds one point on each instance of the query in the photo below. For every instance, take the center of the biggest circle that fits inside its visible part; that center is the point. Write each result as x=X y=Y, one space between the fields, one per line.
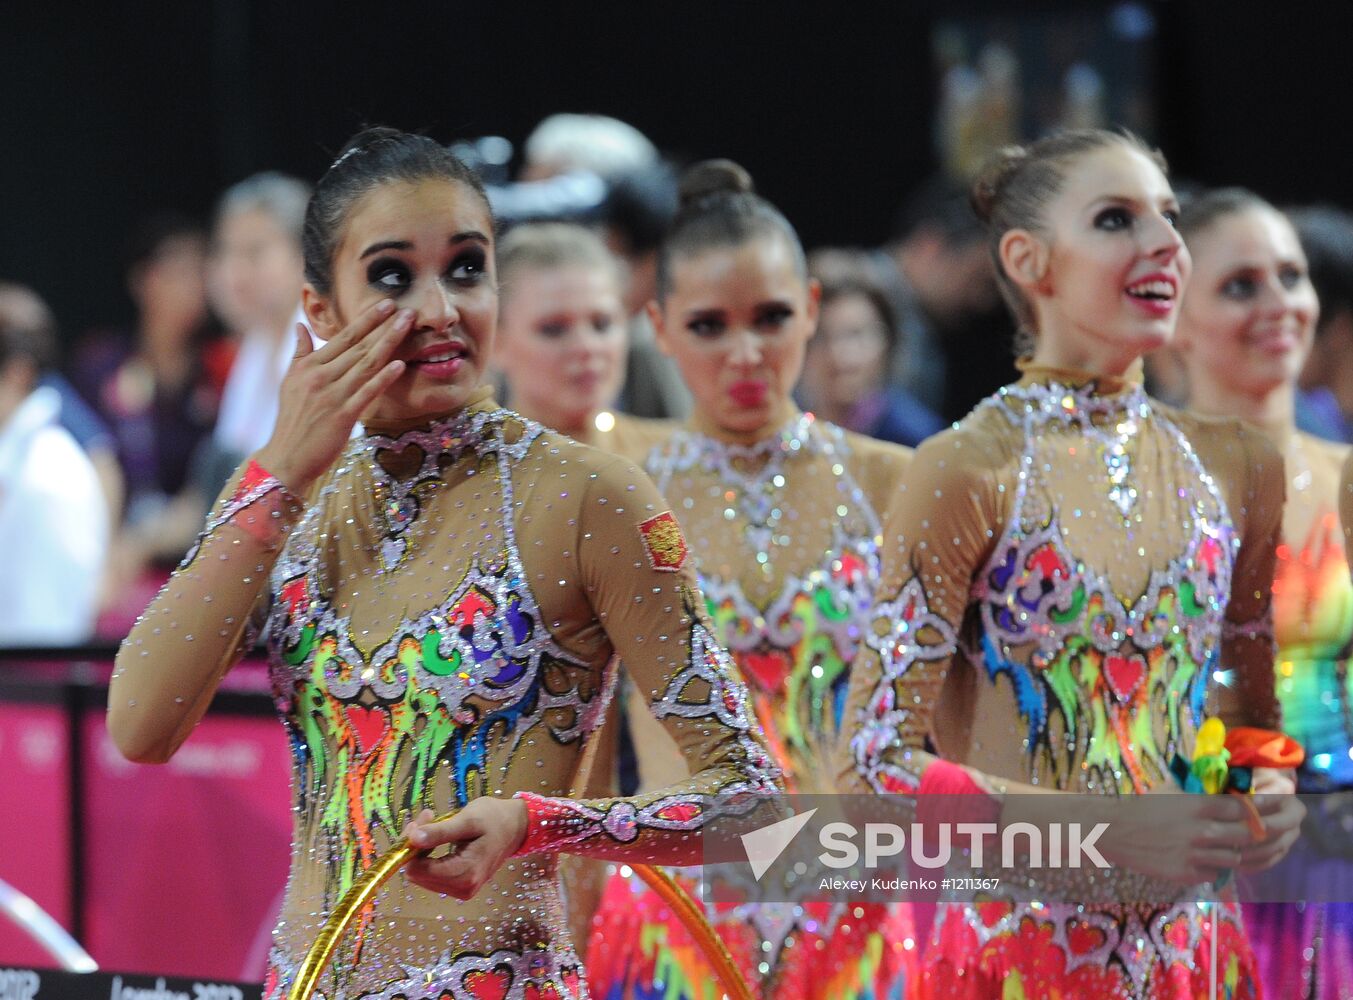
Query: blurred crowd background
x=158 y=161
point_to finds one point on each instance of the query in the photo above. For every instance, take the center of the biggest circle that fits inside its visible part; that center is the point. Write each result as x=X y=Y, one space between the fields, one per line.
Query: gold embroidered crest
x=663 y=540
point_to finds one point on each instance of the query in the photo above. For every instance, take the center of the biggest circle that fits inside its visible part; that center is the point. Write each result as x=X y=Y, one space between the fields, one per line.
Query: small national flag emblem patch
x=663 y=541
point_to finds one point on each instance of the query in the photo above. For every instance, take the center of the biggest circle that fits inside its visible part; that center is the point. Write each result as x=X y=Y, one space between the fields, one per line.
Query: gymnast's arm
x=198 y=626
x=203 y=620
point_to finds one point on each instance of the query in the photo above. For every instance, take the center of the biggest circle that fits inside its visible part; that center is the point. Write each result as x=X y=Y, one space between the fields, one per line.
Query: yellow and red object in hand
x=362 y=891
x=1224 y=761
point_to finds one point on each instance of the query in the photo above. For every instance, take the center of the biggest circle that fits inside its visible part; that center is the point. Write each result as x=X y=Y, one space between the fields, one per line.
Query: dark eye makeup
x=1113 y=218
x=388 y=274
x=467 y=267
x=393 y=275
x=775 y=315
x=706 y=324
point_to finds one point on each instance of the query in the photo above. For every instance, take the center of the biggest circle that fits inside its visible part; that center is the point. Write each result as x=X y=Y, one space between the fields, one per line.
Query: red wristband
x=949 y=795
x=550 y=823
x=261 y=507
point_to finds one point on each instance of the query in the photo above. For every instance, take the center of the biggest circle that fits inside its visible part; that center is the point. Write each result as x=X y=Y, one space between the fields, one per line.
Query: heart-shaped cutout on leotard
x=402 y=463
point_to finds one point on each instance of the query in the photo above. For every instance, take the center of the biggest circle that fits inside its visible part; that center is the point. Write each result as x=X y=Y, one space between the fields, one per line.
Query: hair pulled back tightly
x=719 y=208
x=371 y=158
x=1014 y=188
x=987 y=188
x=1202 y=211
x=549 y=246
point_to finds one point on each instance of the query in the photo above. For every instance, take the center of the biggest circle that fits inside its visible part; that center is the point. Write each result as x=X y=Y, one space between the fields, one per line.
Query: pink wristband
x=261 y=507
x=949 y=795
x=549 y=822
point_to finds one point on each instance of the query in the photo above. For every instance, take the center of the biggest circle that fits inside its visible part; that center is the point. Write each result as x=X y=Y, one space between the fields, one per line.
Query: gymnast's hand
x=485 y=833
x=325 y=391
x=1193 y=839
x=1282 y=813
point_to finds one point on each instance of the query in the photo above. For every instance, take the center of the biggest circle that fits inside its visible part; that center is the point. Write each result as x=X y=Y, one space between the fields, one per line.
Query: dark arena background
x=844 y=113
x=112 y=112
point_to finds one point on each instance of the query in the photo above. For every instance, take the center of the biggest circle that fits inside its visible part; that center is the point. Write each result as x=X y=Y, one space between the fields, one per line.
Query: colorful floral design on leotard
x=1313 y=624
x=1107 y=669
x=431 y=709
x=372 y=734
x=432 y=696
x=1027 y=952
x=800 y=539
x=1065 y=567
x=1103 y=671
x=1308 y=951
x=794 y=650
x=796 y=653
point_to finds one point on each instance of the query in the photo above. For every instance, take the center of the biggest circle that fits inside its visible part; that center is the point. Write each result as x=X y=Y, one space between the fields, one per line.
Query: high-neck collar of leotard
x=481 y=400
x=402 y=447
x=789 y=435
x=1127 y=384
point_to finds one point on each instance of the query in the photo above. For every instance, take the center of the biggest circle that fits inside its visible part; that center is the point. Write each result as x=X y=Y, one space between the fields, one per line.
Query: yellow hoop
x=308 y=974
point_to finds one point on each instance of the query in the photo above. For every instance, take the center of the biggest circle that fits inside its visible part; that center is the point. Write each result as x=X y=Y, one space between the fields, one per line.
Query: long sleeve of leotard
x=202 y=621
x=640 y=581
x=935 y=537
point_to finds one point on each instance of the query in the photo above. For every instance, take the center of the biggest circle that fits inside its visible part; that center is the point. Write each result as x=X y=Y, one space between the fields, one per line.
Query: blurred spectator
x=638 y=209
x=561 y=327
x=944 y=287
x=954 y=338
x=845 y=375
x=1166 y=376
x=22 y=308
x=640 y=202
x=54 y=521
x=154 y=386
x=595 y=143
x=1325 y=402
x=256 y=275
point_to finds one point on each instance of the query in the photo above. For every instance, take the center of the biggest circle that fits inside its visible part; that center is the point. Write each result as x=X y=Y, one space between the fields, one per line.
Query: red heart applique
x=767 y=670
x=1124 y=674
x=487 y=985
x=1084 y=938
x=993 y=913
x=369 y=725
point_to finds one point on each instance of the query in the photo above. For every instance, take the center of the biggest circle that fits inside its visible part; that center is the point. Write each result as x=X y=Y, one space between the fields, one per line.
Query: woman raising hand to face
x=445 y=599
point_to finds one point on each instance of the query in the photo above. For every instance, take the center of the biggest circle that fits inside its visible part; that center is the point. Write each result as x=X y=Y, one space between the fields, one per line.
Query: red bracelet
x=949 y=795
x=551 y=823
x=261 y=507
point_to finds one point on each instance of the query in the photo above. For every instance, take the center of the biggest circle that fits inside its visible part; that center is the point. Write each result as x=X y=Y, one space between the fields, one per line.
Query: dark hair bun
x=992 y=179
x=713 y=177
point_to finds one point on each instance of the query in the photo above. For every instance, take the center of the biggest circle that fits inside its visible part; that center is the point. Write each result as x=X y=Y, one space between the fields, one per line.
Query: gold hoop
x=709 y=942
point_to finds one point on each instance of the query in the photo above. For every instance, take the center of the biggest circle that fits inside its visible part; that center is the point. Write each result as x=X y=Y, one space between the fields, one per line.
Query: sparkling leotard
x=1307 y=949
x=1313 y=623
x=442 y=624
x=785 y=532
x=1065 y=574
